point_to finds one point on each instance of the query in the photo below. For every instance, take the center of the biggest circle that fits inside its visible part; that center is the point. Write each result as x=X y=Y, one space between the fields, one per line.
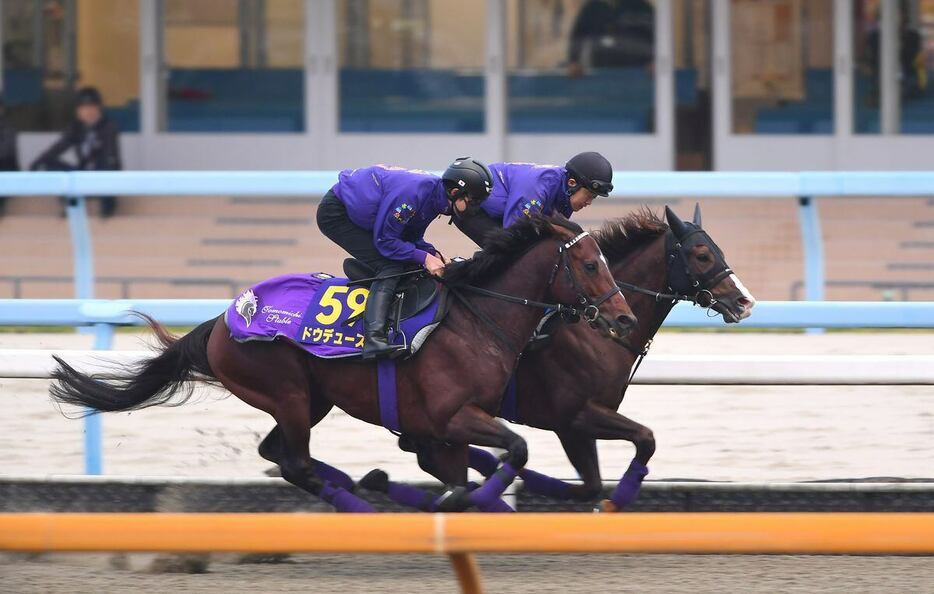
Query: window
x=581 y=66
x=914 y=50
x=233 y=65
x=411 y=65
x=782 y=66
x=53 y=48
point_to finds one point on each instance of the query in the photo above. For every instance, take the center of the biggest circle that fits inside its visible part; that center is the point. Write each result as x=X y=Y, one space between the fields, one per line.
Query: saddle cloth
x=323 y=314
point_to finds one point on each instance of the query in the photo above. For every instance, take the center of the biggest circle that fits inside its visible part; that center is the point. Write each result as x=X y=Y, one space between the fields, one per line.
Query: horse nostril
x=626 y=321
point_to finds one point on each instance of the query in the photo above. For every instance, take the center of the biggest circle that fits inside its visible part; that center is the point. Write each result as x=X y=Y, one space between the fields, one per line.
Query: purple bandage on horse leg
x=628 y=488
x=482 y=461
x=335 y=476
x=498 y=506
x=343 y=500
x=494 y=486
x=410 y=496
x=541 y=484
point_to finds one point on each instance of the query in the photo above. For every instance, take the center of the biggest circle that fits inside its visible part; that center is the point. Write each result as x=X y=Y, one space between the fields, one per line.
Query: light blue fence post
x=813 y=245
x=83 y=258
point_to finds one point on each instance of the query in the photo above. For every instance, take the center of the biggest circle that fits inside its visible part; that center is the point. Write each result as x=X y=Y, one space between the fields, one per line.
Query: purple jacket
x=396 y=204
x=523 y=189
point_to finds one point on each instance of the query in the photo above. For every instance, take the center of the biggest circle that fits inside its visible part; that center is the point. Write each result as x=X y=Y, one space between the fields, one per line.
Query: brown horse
x=449 y=392
x=575 y=384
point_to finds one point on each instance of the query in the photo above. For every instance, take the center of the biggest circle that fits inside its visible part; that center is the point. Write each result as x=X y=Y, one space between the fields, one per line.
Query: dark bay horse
x=575 y=385
x=449 y=392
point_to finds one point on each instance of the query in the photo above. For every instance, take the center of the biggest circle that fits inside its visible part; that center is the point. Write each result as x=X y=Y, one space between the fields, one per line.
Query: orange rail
x=812 y=533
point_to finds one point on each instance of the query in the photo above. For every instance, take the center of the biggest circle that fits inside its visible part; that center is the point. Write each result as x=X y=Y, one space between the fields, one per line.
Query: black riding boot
x=376 y=342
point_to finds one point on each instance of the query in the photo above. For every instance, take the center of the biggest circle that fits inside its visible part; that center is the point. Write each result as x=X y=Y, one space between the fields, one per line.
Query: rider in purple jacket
x=379 y=214
x=521 y=190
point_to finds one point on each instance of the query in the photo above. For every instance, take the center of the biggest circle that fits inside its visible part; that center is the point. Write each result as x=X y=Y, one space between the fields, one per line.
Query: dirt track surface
x=743 y=433
x=505 y=574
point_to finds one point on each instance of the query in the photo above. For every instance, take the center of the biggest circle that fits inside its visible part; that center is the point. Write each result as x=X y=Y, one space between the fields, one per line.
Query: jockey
x=379 y=215
x=524 y=189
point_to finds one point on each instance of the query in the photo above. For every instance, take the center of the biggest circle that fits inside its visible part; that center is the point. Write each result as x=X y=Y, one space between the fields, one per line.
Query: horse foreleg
x=600 y=422
x=446 y=462
x=472 y=425
x=583 y=455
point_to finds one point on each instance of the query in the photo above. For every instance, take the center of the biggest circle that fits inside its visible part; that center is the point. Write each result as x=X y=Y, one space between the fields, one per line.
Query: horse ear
x=697 y=217
x=676 y=224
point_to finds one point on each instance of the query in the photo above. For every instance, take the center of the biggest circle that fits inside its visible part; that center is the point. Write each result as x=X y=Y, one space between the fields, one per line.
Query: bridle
x=591 y=310
x=588 y=308
x=681 y=280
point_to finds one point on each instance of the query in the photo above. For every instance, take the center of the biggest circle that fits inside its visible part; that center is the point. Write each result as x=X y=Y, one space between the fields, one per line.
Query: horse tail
x=163 y=379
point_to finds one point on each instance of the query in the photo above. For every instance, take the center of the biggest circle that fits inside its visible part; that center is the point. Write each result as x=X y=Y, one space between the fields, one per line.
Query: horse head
x=582 y=276
x=697 y=267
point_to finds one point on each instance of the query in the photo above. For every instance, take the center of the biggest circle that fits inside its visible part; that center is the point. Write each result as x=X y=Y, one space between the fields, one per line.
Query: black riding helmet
x=469 y=177
x=592 y=171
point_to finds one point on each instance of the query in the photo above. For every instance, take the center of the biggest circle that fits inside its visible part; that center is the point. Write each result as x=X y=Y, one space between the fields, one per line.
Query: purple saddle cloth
x=319 y=312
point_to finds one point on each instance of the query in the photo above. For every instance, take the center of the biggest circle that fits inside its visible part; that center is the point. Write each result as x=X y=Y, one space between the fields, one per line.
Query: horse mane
x=502 y=247
x=620 y=237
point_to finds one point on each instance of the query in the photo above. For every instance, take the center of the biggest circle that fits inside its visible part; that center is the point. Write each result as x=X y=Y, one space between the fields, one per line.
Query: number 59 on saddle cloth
x=323 y=314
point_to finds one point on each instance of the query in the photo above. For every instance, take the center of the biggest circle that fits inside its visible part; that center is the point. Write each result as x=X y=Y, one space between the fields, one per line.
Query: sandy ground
x=727 y=433
x=504 y=574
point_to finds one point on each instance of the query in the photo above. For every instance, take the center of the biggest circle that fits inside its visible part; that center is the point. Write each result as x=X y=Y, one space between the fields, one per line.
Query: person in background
x=95 y=140
x=9 y=158
x=612 y=34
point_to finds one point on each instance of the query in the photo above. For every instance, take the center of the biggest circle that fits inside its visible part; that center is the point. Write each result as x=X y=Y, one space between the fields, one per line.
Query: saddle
x=413 y=294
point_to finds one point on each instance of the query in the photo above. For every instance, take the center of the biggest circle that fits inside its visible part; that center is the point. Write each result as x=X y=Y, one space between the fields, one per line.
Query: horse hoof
x=375 y=480
x=407 y=444
x=454 y=500
x=606 y=507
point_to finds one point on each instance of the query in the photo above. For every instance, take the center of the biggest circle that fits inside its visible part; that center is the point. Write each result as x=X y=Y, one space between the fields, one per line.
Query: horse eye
x=703 y=258
x=591 y=266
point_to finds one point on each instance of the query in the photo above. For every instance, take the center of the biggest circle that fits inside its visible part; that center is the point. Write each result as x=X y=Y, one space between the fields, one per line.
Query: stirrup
x=386 y=350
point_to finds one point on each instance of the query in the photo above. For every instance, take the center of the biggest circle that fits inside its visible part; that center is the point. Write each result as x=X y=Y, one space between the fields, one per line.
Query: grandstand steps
x=212 y=247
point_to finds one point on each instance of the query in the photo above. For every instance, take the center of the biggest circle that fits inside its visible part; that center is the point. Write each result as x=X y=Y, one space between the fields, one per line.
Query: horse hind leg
x=287 y=396
x=296 y=463
x=271 y=448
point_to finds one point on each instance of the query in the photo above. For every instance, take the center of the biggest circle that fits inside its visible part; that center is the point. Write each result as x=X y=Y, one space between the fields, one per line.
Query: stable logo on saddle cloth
x=319 y=312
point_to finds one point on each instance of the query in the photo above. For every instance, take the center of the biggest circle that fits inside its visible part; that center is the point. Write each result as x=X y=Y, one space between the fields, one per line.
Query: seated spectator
x=9 y=160
x=94 y=139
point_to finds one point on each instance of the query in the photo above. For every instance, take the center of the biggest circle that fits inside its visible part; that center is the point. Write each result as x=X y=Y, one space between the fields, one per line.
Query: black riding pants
x=477 y=225
x=335 y=223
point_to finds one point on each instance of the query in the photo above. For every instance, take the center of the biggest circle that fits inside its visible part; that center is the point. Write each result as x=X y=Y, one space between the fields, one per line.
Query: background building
x=322 y=84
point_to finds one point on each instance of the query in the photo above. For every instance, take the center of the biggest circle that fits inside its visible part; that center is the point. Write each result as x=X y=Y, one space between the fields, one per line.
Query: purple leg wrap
x=541 y=484
x=344 y=501
x=482 y=461
x=411 y=496
x=498 y=505
x=628 y=487
x=335 y=476
x=485 y=463
x=494 y=486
